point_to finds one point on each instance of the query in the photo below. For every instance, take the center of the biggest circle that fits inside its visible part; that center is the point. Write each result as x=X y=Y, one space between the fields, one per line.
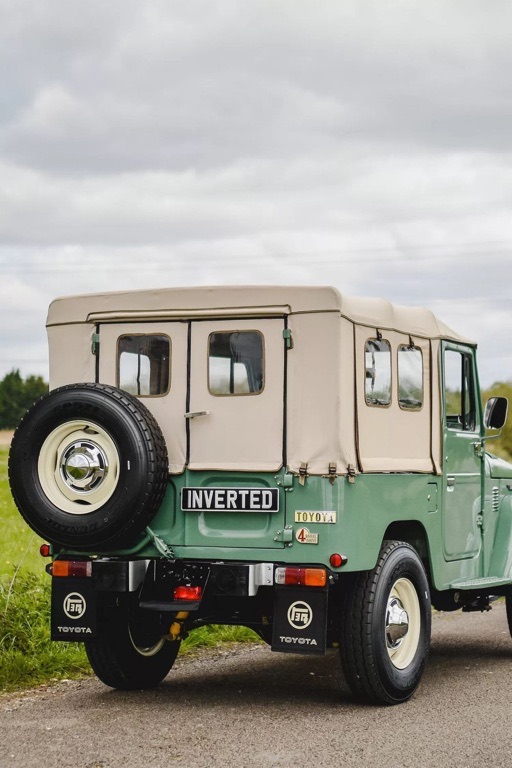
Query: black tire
x=265 y=632
x=88 y=467
x=379 y=665
x=508 y=602
x=129 y=653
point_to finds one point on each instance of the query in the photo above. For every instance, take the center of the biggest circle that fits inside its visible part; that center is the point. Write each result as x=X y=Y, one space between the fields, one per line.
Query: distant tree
x=17 y=395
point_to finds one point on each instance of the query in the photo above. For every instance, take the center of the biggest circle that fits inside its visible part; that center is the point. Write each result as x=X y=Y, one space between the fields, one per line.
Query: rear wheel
x=129 y=653
x=508 y=601
x=385 y=633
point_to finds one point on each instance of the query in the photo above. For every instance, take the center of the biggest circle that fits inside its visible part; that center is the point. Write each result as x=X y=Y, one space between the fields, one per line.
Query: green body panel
x=499 y=467
x=461 y=492
x=500 y=555
x=190 y=531
x=375 y=506
x=498 y=517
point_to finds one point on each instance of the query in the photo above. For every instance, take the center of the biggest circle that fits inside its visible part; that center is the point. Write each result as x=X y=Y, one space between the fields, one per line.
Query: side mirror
x=496 y=413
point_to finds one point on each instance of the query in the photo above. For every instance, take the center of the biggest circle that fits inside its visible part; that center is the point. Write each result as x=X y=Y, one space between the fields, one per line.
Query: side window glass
x=410 y=378
x=236 y=363
x=378 y=372
x=143 y=365
x=459 y=391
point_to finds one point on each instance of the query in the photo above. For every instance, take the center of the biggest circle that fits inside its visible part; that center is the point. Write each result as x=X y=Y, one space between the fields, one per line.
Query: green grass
x=20 y=545
x=27 y=655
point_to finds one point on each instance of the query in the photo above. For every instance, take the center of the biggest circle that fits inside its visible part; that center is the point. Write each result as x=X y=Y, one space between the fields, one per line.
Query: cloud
x=363 y=144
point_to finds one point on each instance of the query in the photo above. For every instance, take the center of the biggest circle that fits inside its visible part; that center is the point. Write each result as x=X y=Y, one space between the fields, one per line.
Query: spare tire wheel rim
x=78 y=467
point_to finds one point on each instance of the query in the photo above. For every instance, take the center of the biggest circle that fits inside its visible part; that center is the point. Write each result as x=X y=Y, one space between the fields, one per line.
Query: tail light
x=188 y=593
x=79 y=568
x=304 y=577
x=337 y=560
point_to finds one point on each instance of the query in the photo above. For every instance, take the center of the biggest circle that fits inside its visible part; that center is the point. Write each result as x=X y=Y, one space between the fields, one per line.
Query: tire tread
x=356 y=642
x=152 y=486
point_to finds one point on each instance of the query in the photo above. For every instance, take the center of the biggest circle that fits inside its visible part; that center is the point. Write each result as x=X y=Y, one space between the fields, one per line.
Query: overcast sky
x=366 y=145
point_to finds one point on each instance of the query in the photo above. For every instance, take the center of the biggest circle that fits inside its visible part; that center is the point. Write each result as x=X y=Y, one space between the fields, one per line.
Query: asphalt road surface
x=252 y=708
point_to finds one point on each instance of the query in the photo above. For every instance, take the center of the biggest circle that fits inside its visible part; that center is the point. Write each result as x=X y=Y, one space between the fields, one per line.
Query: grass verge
x=20 y=545
x=27 y=655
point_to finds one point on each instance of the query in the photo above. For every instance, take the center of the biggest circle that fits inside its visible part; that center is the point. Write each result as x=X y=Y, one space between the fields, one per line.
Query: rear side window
x=377 y=372
x=143 y=365
x=236 y=363
x=410 y=378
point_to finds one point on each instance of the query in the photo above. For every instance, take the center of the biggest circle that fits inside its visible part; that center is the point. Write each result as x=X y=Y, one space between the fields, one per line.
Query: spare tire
x=88 y=467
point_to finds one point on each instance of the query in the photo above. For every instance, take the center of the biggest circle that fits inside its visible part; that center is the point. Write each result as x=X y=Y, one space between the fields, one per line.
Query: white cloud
x=364 y=144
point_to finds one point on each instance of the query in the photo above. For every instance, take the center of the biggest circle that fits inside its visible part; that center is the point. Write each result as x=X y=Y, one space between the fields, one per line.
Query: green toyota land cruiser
x=307 y=464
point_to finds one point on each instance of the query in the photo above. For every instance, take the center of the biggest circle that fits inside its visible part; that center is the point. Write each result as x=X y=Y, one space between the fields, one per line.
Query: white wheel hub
x=402 y=623
x=78 y=467
x=147 y=651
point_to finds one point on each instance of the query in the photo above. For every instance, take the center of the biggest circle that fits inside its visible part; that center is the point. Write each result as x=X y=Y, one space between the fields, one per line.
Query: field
x=20 y=546
x=27 y=656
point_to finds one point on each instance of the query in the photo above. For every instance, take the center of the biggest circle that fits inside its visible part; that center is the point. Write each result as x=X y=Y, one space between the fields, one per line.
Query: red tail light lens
x=337 y=560
x=188 y=593
x=304 y=577
x=79 y=568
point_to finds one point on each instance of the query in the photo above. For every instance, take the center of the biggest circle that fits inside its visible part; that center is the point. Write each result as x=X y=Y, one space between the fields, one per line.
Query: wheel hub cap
x=397 y=623
x=83 y=466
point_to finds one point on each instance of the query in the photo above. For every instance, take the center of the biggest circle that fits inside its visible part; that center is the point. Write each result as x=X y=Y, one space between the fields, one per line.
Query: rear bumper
x=293 y=618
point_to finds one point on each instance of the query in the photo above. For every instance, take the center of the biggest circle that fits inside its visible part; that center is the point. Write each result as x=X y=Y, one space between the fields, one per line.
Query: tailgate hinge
x=286 y=535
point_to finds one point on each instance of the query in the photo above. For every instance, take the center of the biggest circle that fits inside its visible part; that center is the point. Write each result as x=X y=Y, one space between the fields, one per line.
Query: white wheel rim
x=402 y=623
x=146 y=651
x=78 y=467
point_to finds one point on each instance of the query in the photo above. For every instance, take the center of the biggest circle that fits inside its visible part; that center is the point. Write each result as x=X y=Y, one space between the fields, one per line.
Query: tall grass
x=19 y=545
x=27 y=655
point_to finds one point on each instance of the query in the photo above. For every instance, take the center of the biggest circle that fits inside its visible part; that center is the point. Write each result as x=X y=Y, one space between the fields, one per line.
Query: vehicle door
x=237 y=395
x=235 y=418
x=216 y=389
x=462 y=465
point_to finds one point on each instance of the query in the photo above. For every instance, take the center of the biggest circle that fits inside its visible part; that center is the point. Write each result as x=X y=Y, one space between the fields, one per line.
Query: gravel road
x=252 y=708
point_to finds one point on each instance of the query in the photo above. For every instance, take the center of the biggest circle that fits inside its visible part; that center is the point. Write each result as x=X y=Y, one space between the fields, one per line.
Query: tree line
x=16 y=395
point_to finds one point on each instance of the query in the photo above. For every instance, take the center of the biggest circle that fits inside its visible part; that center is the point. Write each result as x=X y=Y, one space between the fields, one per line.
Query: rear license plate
x=230 y=500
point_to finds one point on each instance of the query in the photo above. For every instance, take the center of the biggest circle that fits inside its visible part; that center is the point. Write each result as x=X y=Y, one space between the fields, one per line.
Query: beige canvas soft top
x=169 y=303
x=328 y=420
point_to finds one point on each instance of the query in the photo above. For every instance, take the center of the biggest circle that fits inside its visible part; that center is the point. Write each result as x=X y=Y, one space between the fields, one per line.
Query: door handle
x=450 y=483
x=194 y=414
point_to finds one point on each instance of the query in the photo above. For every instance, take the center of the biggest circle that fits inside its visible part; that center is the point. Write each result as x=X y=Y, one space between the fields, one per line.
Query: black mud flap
x=73 y=609
x=300 y=620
